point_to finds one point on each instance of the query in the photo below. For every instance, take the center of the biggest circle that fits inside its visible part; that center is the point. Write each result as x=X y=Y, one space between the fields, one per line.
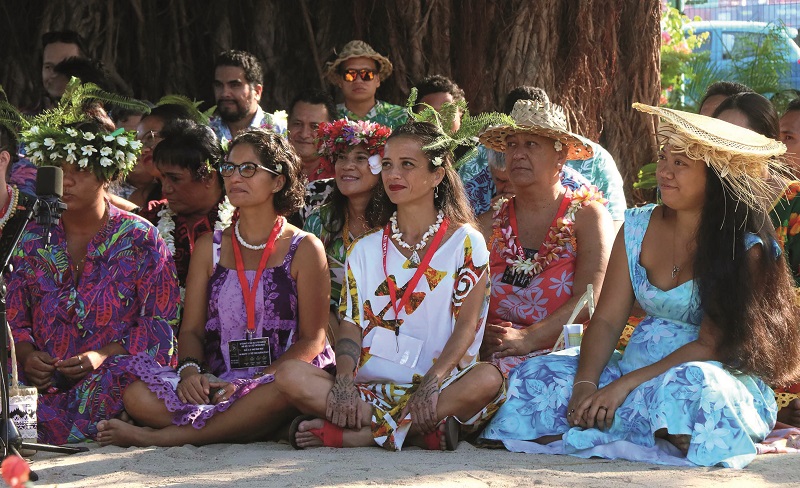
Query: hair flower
x=437 y=161
x=374 y=164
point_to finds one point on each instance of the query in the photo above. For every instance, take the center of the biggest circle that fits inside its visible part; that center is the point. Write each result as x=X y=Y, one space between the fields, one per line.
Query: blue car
x=734 y=39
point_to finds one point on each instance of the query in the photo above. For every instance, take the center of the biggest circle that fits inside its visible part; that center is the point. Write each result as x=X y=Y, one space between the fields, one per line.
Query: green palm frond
x=10 y=117
x=467 y=133
x=191 y=105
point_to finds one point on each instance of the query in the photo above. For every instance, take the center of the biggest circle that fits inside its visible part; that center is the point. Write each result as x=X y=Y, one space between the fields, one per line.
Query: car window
x=740 y=45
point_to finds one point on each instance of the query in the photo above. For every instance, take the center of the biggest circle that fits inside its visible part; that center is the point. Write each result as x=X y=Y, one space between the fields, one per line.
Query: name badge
x=403 y=350
x=520 y=280
x=251 y=353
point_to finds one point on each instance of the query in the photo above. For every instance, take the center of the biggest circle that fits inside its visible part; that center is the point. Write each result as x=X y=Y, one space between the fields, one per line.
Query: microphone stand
x=9 y=435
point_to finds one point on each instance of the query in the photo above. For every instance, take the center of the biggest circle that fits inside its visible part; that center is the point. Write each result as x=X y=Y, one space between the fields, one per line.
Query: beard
x=232 y=113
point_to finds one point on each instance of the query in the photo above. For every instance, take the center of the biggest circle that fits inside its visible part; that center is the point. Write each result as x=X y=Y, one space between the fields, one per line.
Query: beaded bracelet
x=585 y=381
x=189 y=364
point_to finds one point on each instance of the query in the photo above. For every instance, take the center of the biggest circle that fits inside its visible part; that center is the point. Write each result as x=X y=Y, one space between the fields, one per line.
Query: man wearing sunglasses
x=358 y=71
x=238 y=83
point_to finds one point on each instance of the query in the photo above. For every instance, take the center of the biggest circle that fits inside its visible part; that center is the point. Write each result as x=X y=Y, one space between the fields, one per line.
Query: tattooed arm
x=343 y=407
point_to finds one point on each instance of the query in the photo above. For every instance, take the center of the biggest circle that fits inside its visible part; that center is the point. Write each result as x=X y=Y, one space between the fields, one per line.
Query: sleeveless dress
x=725 y=412
x=276 y=318
x=527 y=300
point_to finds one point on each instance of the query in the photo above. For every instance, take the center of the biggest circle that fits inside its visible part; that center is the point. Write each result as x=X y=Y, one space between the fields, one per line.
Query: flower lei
x=105 y=154
x=225 y=213
x=558 y=238
x=337 y=137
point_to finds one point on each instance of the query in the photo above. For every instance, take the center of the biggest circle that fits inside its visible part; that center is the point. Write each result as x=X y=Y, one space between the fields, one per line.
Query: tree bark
x=594 y=57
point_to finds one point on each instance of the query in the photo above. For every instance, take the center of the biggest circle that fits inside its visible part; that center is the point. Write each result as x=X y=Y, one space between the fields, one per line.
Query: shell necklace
x=397 y=236
x=245 y=243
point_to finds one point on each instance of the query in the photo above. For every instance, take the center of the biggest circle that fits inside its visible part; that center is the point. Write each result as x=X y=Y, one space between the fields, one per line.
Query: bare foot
x=680 y=441
x=419 y=439
x=305 y=438
x=126 y=418
x=115 y=432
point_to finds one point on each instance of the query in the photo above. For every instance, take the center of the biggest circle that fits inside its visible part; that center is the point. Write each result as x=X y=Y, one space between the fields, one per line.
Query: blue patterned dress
x=724 y=412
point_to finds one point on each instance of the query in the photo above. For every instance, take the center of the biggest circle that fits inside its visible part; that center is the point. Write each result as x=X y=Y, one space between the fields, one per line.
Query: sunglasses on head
x=246 y=170
x=352 y=74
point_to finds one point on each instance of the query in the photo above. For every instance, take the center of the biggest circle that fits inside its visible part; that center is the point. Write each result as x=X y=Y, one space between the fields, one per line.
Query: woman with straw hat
x=705 y=267
x=358 y=71
x=546 y=242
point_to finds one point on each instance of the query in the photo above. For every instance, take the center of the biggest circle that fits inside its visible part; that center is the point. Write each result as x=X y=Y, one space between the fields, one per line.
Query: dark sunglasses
x=365 y=74
x=246 y=170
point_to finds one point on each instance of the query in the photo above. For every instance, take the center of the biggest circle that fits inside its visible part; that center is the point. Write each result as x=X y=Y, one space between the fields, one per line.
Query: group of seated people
x=400 y=300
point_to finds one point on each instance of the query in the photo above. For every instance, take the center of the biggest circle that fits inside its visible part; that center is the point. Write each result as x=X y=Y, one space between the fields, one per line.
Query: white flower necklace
x=224 y=214
x=166 y=227
x=244 y=243
x=398 y=236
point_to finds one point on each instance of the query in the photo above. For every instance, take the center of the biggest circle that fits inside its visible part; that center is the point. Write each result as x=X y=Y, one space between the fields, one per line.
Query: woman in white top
x=414 y=307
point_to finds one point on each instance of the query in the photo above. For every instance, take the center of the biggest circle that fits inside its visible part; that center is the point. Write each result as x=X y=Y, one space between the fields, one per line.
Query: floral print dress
x=127 y=293
x=723 y=411
x=429 y=316
x=526 y=300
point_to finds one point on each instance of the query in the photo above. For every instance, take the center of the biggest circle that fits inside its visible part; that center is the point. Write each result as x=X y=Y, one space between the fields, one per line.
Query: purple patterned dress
x=276 y=318
x=127 y=294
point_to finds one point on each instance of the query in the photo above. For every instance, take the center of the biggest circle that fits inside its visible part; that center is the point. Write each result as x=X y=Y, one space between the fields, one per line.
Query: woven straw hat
x=357 y=49
x=740 y=157
x=540 y=118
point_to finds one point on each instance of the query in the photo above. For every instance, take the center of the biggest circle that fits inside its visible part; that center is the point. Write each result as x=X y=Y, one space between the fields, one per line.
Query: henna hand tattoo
x=349 y=348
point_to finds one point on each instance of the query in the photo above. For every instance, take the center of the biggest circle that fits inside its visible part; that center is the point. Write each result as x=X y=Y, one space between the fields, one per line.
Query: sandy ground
x=271 y=464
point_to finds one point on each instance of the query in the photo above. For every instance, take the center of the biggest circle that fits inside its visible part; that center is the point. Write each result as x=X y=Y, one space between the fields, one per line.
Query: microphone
x=49 y=189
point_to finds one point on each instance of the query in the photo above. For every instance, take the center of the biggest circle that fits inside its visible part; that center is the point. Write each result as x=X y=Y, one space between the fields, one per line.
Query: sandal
x=330 y=434
x=433 y=440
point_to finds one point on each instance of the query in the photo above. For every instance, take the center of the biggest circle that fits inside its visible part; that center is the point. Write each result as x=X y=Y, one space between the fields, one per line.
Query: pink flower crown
x=337 y=137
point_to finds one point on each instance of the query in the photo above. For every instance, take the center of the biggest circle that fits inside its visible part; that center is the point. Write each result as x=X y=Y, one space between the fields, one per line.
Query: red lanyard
x=249 y=292
x=412 y=285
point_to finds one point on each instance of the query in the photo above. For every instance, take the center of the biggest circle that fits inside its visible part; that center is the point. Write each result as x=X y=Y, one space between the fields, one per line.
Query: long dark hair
x=451 y=197
x=752 y=303
x=338 y=204
x=761 y=114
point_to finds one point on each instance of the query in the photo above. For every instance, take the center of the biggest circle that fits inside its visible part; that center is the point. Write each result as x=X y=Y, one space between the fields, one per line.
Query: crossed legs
x=252 y=417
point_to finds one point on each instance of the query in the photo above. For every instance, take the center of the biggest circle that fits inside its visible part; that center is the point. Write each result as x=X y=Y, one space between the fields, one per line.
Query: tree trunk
x=594 y=57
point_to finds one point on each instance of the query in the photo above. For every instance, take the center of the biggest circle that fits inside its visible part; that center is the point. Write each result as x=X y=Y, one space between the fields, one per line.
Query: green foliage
x=678 y=57
x=467 y=133
x=191 y=105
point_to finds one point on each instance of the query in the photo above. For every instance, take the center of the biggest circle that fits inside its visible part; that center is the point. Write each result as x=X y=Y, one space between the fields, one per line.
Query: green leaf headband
x=467 y=133
x=53 y=137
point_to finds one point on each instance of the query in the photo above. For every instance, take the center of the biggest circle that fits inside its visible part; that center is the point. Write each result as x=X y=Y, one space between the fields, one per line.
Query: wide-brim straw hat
x=540 y=118
x=357 y=49
x=742 y=158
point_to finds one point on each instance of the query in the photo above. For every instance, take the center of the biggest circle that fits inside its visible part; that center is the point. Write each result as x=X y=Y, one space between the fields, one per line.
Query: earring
x=436 y=191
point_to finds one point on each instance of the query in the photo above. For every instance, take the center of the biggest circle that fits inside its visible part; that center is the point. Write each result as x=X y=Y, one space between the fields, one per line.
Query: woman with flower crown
x=186 y=158
x=547 y=243
x=354 y=149
x=92 y=290
x=257 y=296
x=413 y=308
x=691 y=387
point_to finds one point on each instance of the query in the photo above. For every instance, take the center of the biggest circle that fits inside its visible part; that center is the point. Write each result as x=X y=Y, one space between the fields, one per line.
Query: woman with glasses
x=413 y=310
x=343 y=219
x=358 y=71
x=257 y=295
x=186 y=157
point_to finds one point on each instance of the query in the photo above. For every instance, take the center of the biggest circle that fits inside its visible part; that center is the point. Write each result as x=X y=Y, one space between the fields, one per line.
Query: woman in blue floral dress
x=720 y=319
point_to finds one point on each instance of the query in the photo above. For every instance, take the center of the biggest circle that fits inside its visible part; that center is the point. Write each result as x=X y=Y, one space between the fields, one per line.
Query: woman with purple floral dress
x=257 y=294
x=100 y=288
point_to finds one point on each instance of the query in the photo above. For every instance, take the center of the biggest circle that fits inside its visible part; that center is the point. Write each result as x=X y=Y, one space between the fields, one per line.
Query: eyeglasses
x=150 y=139
x=350 y=75
x=246 y=170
